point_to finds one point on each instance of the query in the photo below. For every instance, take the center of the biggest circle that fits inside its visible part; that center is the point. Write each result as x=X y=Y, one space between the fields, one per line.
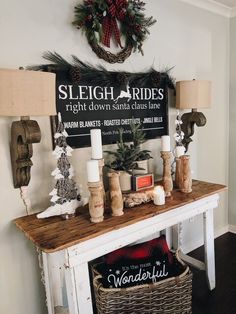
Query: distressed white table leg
x=78 y=289
x=168 y=234
x=71 y=290
x=177 y=236
x=83 y=289
x=47 y=281
x=56 y=261
x=209 y=248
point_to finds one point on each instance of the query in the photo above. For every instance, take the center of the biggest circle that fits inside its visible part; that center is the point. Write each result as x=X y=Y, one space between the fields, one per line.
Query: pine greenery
x=124 y=157
x=138 y=138
x=100 y=75
x=127 y=154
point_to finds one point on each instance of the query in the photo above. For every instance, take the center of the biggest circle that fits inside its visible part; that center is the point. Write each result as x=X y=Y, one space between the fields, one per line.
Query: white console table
x=66 y=246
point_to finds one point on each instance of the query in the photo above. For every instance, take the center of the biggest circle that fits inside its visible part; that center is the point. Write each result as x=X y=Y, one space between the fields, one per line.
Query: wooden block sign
x=140 y=182
x=109 y=106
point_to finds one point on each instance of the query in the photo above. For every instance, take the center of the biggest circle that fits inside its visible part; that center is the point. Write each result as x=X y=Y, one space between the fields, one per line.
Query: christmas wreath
x=102 y=19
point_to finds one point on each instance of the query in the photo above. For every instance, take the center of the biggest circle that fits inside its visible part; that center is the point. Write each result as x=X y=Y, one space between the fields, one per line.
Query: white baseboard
x=220 y=231
x=193 y=245
x=190 y=246
x=232 y=228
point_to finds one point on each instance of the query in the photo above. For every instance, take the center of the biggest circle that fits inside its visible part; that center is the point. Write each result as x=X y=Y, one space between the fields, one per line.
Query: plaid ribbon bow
x=116 y=11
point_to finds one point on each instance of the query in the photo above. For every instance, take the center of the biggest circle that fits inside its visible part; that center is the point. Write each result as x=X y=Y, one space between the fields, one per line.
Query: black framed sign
x=91 y=104
x=91 y=97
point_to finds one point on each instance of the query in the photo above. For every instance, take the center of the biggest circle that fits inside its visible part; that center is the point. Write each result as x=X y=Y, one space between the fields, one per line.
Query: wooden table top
x=54 y=234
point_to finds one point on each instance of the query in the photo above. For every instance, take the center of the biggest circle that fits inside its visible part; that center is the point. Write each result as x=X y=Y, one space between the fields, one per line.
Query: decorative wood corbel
x=23 y=134
x=189 y=119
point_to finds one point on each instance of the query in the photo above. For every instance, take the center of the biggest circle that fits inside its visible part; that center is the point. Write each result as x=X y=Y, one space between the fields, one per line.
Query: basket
x=169 y=296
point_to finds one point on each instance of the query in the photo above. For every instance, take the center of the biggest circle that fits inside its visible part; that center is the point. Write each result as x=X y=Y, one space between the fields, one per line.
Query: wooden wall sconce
x=193 y=95
x=24 y=93
x=23 y=134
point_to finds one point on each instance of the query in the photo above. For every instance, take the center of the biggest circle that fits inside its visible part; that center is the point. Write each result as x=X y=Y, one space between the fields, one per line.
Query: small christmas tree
x=65 y=197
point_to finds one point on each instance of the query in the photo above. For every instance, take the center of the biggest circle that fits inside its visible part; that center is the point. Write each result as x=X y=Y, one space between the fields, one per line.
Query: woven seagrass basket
x=169 y=296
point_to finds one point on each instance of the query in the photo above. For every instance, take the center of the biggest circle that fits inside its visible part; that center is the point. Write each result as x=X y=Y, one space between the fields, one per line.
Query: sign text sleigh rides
x=89 y=97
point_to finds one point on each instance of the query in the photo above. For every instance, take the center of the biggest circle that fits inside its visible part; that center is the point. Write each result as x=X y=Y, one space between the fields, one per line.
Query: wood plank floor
x=221 y=300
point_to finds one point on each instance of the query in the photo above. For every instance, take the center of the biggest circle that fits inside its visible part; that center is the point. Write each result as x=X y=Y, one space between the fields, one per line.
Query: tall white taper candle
x=96 y=143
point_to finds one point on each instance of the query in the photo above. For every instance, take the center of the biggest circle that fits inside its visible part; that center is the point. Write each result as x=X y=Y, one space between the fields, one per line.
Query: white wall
x=232 y=137
x=194 y=41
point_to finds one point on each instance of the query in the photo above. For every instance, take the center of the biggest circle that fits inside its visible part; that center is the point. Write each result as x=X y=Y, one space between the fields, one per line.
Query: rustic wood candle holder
x=185 y=183
x=177 y=172
x=101 y=165
x=96 y=201
x=167 y=179
x=116 y=198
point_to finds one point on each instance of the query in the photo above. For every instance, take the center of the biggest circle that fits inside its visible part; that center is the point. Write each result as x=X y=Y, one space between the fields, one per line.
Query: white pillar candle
x=159 y=195
x=165 y=143
x=179 y=151
x=96 y=143
x=93 y=171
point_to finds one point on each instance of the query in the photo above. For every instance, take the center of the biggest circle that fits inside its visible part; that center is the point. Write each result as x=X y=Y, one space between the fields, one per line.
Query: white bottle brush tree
x=65 y=197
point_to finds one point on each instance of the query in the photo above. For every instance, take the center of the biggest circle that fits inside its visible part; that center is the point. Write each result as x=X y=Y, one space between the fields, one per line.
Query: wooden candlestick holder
x=177 y=172
x=96 y=201
x=101 y=165
x=185 y=182
x=116 y=198
x=167 y=179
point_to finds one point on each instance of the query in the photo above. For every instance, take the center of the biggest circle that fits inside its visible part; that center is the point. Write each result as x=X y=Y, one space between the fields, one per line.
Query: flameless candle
x=93 y=171
x=179 y=151
x=96 y=143
x=159 y=195
x=165 y=143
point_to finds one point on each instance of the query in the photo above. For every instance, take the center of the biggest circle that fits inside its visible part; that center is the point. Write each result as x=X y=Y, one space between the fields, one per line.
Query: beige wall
x=192 y=40
x=232 y=136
